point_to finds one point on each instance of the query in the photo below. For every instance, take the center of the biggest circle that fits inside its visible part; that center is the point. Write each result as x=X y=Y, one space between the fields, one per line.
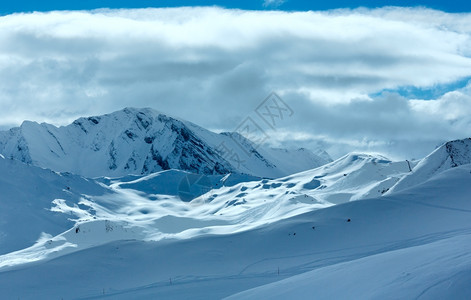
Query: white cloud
x=273 y=3
x=213 y=66
x=453 y=106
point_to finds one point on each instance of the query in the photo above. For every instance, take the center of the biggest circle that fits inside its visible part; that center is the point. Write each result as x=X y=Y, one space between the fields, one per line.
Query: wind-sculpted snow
x=144 y=141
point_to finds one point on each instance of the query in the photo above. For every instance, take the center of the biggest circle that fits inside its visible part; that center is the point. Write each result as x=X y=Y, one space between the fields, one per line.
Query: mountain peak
x=459 y=152
x=142 y=141
x=449 y=155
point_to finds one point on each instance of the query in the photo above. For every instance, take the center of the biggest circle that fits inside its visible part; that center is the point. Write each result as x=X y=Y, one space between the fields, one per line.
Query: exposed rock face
x=143 y=141
x=450 y=155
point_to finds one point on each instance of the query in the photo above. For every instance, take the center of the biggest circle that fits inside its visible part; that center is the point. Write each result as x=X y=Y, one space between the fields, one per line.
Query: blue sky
x=26 y=6
x=429 y=93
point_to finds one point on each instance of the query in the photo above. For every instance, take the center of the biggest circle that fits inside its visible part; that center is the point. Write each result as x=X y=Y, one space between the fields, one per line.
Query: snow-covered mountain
x=143 y=141
x=349 y=222
x=449 y=155
x=352 y=177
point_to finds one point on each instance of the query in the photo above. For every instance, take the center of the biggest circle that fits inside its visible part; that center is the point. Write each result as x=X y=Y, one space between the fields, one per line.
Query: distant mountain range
x=144 y=141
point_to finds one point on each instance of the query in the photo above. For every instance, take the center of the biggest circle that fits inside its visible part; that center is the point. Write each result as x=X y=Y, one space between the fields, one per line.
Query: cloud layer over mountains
x=374 y=80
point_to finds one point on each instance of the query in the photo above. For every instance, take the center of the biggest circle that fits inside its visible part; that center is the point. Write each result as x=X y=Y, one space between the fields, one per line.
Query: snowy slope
x=153 y=203
x=352 y=177
x=26 y=196
x=240 y=202
x=450 y=155
x=172 y=182
x=437 y=270
x=143 y=141
x=377 y=246
x=64 y=236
